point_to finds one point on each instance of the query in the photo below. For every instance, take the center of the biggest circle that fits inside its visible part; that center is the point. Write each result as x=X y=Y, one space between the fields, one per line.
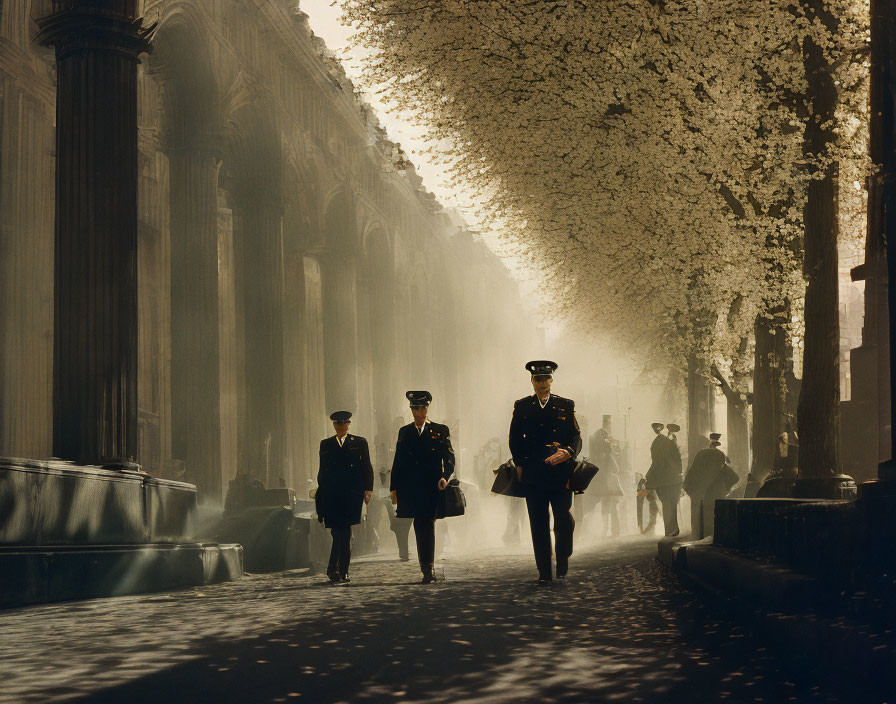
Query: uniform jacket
x=665 y=463
x=421 y=459
x=534 y=429
x=345 y=474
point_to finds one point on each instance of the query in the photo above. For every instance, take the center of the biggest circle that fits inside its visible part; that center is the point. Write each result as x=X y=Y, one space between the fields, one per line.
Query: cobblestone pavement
x=619 y=628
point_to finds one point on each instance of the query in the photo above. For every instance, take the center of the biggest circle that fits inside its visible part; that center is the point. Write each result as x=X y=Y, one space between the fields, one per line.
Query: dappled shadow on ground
x=619 y=629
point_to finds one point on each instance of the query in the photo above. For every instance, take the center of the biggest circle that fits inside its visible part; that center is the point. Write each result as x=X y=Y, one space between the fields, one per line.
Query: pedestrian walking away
x=345 y=482
x=606 y=486
x=544 y=442
x=423 y=464
x=664 y=475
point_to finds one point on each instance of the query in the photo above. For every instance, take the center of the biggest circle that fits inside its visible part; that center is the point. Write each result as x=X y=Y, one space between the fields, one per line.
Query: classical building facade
x=289 y=261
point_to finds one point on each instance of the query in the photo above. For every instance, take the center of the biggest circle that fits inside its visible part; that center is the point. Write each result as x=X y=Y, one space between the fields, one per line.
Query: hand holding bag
x=451 y=501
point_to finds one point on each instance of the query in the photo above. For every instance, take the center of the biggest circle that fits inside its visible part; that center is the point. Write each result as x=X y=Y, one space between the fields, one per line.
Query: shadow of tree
x=620 y=629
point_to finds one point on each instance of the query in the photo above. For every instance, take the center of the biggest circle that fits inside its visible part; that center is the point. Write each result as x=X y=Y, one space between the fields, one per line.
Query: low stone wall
x=41 y=575
x=58 y=503
x=73 y=532
x=848 y=544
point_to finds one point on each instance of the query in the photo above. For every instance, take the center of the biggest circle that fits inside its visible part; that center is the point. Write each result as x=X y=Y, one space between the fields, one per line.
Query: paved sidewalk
x=620 y=628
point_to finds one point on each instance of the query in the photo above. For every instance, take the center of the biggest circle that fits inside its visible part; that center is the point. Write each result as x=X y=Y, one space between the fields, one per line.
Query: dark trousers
x=669 y=497
x=560 y=503
x=654 y=510
x=341 y=552
x=425 y=531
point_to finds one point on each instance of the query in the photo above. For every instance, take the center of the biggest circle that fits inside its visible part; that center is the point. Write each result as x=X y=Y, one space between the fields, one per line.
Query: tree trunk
x=701 y=405
x=736 y=422
x=769 y=391
x=883 y=152
x=819 y=405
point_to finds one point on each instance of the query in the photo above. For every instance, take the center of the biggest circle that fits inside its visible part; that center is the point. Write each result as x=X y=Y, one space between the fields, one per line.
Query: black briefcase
x=581 y=476
x=507 y=481
x=451 y=501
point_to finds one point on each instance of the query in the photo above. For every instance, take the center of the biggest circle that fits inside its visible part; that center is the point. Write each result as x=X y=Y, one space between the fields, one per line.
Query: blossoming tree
x=651 y=160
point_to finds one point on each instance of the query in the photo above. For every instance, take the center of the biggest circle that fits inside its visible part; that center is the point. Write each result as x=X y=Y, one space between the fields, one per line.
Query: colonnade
x=246 y=259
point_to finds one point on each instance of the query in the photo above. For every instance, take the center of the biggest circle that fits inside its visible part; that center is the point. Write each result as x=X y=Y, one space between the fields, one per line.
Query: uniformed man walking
x=345 y=481
x=664 y=475
x=423 y=463
x=544 y=441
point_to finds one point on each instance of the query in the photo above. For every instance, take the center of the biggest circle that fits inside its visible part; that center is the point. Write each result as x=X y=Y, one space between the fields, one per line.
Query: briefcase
x=581 y=476
x=451 y=501
x=507 y=481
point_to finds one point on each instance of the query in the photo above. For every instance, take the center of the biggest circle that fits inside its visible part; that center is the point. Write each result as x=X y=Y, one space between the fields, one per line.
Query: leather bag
x=452 y=501
x=581 y=476
x=507 y=481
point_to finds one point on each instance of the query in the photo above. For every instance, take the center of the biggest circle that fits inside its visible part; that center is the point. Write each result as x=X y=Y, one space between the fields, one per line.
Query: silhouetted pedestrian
x=709 y=478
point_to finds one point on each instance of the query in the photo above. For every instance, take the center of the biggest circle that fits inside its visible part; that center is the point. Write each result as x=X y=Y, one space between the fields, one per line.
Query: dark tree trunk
x=819 y=404
x=737 y=424
x=769 y=390
x=883 y=152
x=701 y=404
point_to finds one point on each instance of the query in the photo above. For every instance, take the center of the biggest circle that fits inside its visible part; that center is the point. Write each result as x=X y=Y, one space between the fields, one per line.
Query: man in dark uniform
x=664 y=475
x=544 y=441
x=424 y=461
x=345 y=481
x=709 y=479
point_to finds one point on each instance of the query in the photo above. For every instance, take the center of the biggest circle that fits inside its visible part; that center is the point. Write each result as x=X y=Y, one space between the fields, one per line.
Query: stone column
x=195 y=366
x=366 y=289
x=340 y=332
x=387 y=396
x=95 y=357
x=260 y=283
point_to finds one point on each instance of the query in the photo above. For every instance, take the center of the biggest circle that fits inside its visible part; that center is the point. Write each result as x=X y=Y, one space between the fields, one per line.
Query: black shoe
x=344 y=579
x=429 y=575
x=333 y=576
x=545 y=581
x=404 y=558
x=562 y=568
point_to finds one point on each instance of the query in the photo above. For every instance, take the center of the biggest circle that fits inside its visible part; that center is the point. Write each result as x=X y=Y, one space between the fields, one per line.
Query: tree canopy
x=644 y=157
